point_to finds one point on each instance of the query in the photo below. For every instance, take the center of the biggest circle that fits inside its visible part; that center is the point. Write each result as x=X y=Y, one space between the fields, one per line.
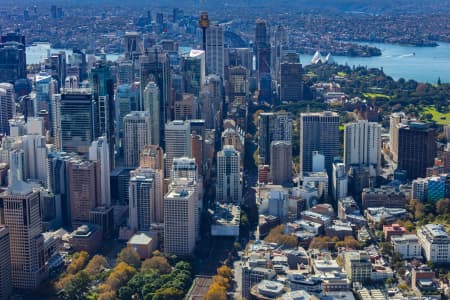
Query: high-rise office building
x=17 y=166
x=22 y=216
x=178 y=142
x=281 y=162
x=185 y=175
x=84 y=190
x=272 y=127
x=145 y=198
x=5 y=264
x=318 y=132
x=340 y=181
x=77 y=125
x=102 y=84
x=215 y=50
x=136 y=134
x=262 y=45
x=180 y=206
x=35 y=150
x=362 y=145
x=416 y=148
x=127 y=100
x=193 y=67
x=7 y=106
x=229 y=186
x=211 y=102
x=395 y=120
x=152 y=156
x=150 y=99
x=238 y=85
x=13 y=64
x=125 y=73
x=154 y=66
x=291 y=85
x=44 y=92
x=133 y=45
x=235 y=57
x=99 y=151
x=58 y=67
x=280 y=45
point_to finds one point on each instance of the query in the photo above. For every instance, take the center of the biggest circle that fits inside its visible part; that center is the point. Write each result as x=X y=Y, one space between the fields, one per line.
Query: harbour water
x=423 y=64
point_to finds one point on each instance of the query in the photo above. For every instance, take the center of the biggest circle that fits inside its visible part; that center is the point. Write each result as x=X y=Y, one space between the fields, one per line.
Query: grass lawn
x=438 y=117
x=376 y=95
x=342 y=74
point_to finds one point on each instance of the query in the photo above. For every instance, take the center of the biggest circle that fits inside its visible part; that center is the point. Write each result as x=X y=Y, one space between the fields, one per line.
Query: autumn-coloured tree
x=129 y=256
x=216 y=292
x=323 y=242
x=225 y=272
x=276 y=235
x=158 y=263
x=118 y=277
x=96 y=265
x=79 y=260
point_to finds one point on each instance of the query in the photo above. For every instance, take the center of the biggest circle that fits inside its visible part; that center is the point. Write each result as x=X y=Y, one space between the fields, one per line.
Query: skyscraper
x=281 y=162
x=416 y=148
x=77 y=124
x=133 y=45
x=215 y=50
x=154 y=66
x=318 y=132
x=126 y=101
x=99 y=151
x=229 y=187
x=84 y=190
x=291 y=85
x=13 y=64
x=35 y=150
x=136 y=135
x=145 y=198
x=262 y=45
x=22 y=216
x=7 y=105
x=272 y=127
x=180 y=207
x=280 y=44
x=340 y=181
x=178 y=142
x=193 y=67
x=151 y=104
x=395 y=120
x=103 y=94
x=5 y=264
x=362 y=145
x=238 y=85
x=152 y=156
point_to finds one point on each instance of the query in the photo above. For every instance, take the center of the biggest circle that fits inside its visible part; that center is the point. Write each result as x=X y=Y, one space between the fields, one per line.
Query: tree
x=107 y=295
x=74 y=287
x=120 y=275
x=443 y=207
x=225 y=272
x=168 y=294
x=79 y=260
x=216 y=292
x=130 y=257
x=158 y=263
x=125 y=293
x=277 y=236
x=96 y=265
